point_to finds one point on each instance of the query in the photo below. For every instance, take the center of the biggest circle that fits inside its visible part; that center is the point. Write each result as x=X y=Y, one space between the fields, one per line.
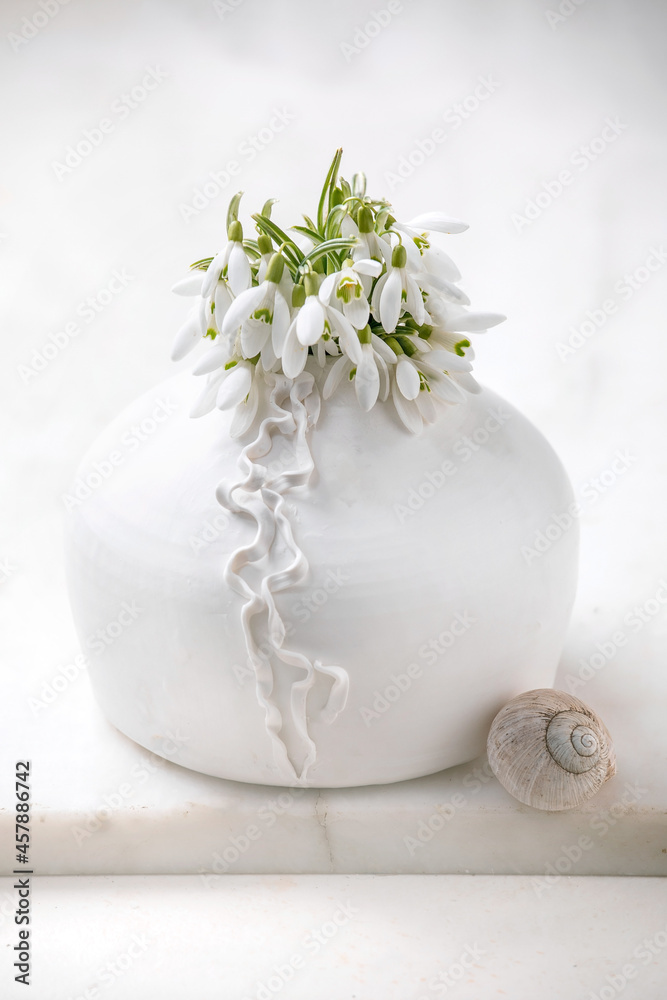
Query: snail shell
x=550 y=750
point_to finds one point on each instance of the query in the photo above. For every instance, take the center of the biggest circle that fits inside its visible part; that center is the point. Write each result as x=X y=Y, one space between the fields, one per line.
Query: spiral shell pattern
x=550 y=750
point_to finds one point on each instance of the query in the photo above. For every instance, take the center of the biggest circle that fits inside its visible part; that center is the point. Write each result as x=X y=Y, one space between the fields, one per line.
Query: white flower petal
x=413 y=254
x=241 y=308
x=365 y=265
x=295 y=354
x=446 y=361
x=223 y=300
x=377 y=292
x=407 y=410
x=390 y=300
x=475 y=322
x=213 y=272
x=254 y=335
x=437 y=222
x=327 y=287
x=239 y=274
x=310 y=321
x=415 y=302
x=446 y=288
x=190 y=285
x=384 y=350
x=407 y=378
x=468 y=382
x=367 y=379
x=187 y=337
x=357 y=311
x=268 y=356
x=245 y=412
x=235 y=386
x=281 y=316
x=436 y=261
x=339 y=369
x=347 y=335
x=217 y=357
x=445 y=388
x=426 y=406
x=385 y=380
x=205 y=402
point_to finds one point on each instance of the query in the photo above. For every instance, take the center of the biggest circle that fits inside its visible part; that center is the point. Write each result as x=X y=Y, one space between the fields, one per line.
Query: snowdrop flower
x=231 y=263
x=315 y=323
x=347 y=288
x=371 y=297
x=370 y=370
x=397 y=290
x=261 y=312
x=369 y=243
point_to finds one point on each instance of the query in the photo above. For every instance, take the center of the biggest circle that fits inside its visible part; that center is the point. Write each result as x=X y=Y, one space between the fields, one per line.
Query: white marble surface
x=344 y=938
x=119 y=211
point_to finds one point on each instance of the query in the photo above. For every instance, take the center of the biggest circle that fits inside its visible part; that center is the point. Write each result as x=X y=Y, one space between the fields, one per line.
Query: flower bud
x=235 y=231
x=264 y=243
x=365 y=220
x=399 y=256
x=274 y=271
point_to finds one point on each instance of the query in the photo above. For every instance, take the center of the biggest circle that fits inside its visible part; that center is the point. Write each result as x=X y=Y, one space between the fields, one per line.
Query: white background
x=556 y=79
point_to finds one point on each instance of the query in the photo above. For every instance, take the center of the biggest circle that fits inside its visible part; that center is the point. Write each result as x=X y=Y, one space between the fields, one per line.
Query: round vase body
x=441 y=575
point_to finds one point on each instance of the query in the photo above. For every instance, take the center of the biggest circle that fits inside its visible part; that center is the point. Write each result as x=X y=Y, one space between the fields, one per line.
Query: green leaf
x=310 y=233
x=334 y=220
x=233 y=210
x=292 y=252
x=327 y=247
x=268 y=205
x=202 y=264
x=251 y=247
x=329 y=185
x=359 y=184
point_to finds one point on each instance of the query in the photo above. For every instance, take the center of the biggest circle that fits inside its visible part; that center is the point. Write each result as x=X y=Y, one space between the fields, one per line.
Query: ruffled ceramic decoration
x=334 y=580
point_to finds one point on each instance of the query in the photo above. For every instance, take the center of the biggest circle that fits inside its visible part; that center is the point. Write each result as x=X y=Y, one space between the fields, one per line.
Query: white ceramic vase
x=415 y=584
